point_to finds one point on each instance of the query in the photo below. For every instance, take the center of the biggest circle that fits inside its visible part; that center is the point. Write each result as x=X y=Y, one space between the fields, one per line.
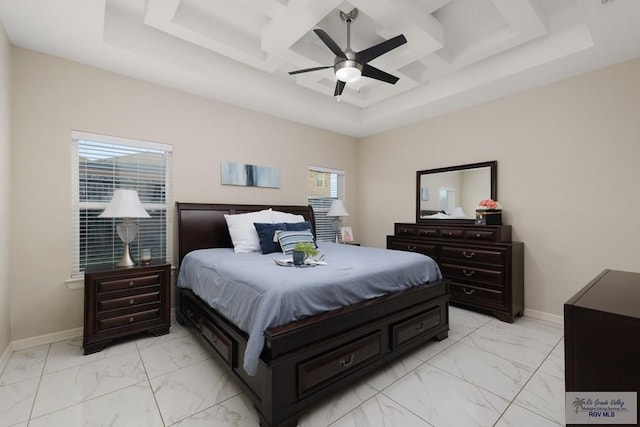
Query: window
x=101 y=165
x=324 y=186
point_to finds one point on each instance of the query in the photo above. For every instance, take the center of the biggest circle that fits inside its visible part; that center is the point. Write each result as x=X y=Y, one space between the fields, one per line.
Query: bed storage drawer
x=338 y=362
x=218 y=340
x=406 y=330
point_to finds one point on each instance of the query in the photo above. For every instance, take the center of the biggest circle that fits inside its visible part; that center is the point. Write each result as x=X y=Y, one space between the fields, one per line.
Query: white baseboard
x=541 y=315
x=4 y=359
x=54 y=337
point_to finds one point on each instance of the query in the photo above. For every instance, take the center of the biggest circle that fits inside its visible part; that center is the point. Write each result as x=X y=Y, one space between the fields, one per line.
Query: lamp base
x=126 y=260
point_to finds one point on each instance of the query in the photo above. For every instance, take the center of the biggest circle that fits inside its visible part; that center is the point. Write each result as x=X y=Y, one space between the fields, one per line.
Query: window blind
x=101 y=165
x=324 y=186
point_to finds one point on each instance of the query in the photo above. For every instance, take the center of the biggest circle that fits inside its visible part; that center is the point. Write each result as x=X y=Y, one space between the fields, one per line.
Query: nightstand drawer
x=128 y=319
x=127 y=301
x=129 y=282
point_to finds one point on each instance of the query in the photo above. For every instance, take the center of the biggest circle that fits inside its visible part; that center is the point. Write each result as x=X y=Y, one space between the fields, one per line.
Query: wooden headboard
x=202 y=225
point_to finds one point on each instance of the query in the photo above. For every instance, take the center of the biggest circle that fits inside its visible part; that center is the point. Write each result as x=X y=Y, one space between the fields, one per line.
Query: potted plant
x=302 y=251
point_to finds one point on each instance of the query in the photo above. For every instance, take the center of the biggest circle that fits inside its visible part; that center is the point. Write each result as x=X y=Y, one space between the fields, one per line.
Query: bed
x=304 y=361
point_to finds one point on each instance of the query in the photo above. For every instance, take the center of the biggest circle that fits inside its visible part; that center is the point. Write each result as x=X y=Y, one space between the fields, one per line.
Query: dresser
x=484 y=267
x=122 y=301
x=602 y=335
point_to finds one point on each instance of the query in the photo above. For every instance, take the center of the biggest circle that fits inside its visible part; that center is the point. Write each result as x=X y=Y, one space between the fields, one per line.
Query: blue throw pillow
x=288 y=239
x=266 y=234
x=300 y=226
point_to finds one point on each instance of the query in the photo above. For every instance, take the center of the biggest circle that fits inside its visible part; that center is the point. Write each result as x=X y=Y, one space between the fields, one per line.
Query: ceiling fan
x=348 y=65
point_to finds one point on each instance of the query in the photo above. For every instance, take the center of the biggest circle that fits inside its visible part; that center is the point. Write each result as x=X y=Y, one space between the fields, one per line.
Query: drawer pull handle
x=411 y=248
x=131 y=284
x=468 y=291
x=450 y=233
x=131 y=301
x=131 y=319
x=478 y=235
x=468 y=255
x=420 y=326
x=345 y=364
x=468 y=273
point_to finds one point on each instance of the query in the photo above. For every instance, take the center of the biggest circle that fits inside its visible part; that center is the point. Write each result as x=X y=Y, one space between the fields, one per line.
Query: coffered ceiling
x=459 y=52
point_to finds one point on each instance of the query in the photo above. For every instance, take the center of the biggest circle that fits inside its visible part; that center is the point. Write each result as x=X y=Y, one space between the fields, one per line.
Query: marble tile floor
x=487 y=373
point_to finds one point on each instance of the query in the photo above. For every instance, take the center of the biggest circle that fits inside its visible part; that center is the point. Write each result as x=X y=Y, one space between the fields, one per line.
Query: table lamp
x=125 y=204
x=337 y=210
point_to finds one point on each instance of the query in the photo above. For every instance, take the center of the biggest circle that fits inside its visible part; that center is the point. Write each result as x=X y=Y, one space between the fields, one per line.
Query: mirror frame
x=493 y=170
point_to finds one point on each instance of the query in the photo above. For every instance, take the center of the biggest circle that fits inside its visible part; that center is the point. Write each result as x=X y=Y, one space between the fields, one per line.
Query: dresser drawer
x=490 y=235
x=474 y=255
x=402 y=230
x=129 y=282
x=467 y=272
x=416 y=326
x=428 y=232
x=131 y=300
x=465 y=292
x=423 y=248
x=452 y=233
x=338 y=362
x=128 y=319
x=218 y=340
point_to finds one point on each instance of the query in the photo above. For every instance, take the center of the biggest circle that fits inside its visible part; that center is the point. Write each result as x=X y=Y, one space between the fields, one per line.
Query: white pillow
x=286 y=217
x=242 y=231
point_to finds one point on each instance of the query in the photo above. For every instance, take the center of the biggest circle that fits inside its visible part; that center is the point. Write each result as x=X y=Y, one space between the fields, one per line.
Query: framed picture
x=347 y=234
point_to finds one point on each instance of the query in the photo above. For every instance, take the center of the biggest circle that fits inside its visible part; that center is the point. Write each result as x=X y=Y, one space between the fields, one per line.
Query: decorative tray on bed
x=288 y=262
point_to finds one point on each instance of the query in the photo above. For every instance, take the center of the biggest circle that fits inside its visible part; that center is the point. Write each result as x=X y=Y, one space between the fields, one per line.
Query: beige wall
x=568 y=173
x=52 y=96
x=5 y=193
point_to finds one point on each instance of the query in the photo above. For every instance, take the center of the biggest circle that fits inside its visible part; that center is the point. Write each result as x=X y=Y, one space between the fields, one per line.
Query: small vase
x=298 y=257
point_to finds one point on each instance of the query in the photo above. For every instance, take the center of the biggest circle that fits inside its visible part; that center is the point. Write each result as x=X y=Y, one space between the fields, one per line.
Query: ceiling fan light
x=348 y=74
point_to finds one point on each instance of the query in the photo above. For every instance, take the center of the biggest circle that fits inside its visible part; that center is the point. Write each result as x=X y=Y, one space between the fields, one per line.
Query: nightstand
x=122 y=301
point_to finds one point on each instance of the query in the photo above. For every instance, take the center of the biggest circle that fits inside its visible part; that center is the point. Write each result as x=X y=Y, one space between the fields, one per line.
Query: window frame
x=77 y=205
x=320 y=212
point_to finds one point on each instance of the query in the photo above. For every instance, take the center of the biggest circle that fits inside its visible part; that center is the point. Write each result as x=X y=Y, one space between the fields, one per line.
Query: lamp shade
x=458 y=213
x=337 y=209
x=124 y=204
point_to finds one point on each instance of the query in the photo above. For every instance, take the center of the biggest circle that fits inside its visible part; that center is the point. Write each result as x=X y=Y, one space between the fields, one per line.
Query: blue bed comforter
x=256 y=294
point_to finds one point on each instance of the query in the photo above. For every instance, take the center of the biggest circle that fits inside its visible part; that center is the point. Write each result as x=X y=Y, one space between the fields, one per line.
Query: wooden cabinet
x=601 y=335
x=121 y=301
x=484 y=267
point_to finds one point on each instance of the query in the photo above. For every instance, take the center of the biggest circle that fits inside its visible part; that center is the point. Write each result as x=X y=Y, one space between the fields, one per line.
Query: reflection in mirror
x=454 y=192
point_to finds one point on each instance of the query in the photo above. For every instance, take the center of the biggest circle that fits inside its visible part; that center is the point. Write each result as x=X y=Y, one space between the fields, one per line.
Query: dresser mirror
x=452 y=193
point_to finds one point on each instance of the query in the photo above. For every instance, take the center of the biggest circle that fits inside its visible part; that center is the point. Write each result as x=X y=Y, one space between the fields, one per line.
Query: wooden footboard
x=306 y=361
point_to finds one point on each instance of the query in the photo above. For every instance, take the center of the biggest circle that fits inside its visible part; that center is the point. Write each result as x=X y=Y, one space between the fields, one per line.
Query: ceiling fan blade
x=381 y=48
x=339 y=88
x=326 y=39
x=306 y=70
x=375 y=73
